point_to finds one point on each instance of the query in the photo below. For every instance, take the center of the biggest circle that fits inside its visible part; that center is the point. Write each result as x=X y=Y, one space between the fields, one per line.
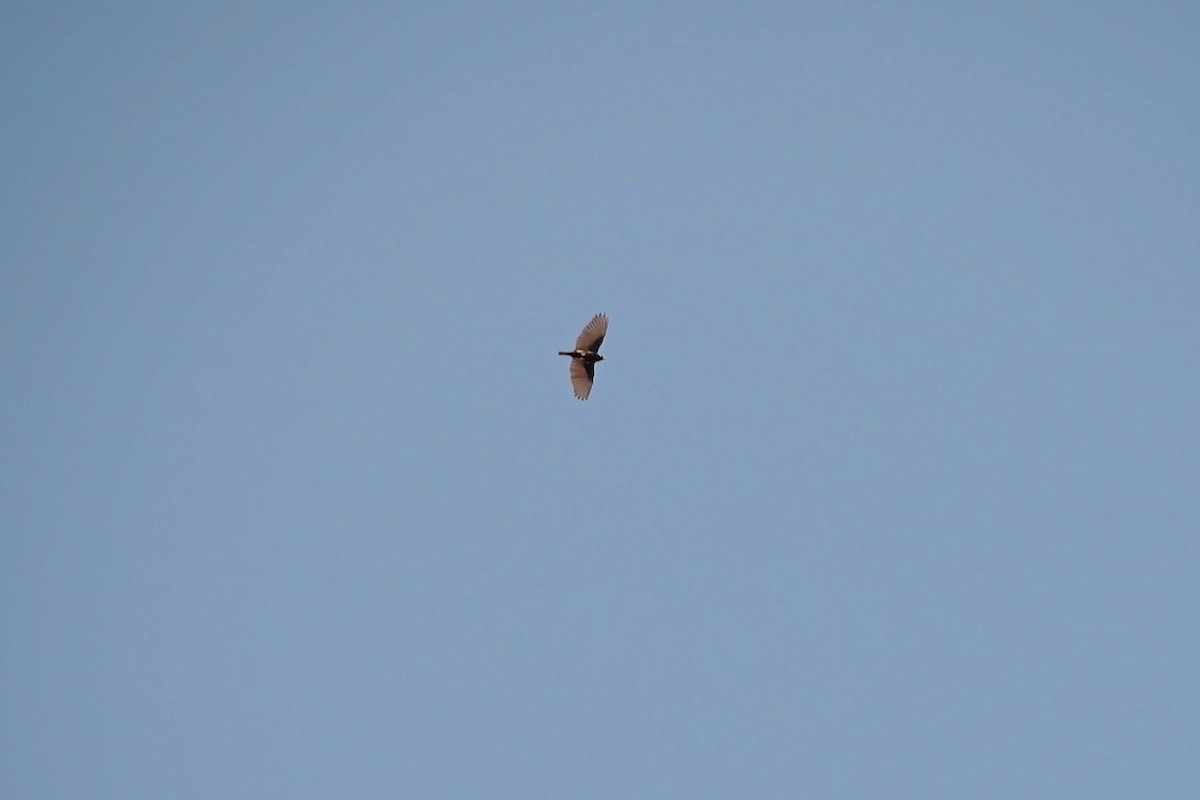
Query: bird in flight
x=584 y=356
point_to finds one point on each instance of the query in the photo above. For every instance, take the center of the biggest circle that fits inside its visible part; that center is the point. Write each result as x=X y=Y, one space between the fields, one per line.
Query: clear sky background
x=888 y=489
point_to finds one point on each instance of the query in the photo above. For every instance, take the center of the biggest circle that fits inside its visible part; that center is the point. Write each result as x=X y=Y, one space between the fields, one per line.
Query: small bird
x=584 y=356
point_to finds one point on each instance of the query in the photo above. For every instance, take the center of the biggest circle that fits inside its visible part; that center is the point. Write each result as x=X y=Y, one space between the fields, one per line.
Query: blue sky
x=888 y=488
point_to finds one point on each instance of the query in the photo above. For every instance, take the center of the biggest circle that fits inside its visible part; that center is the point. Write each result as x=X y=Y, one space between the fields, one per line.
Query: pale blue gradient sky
x=889 y=487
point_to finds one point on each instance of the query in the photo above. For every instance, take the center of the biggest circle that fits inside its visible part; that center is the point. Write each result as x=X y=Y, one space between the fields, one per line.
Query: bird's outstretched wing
x=593 y=333
x=581 y=378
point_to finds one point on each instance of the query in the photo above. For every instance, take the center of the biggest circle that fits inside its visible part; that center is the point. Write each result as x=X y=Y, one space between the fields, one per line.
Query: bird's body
x=585 y=355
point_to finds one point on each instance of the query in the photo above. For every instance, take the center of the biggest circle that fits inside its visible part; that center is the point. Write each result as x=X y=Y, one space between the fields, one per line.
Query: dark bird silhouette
x=584 y=356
